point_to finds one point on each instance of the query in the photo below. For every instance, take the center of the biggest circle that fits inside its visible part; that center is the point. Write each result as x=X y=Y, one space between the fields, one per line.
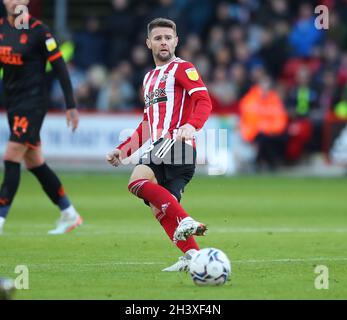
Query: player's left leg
x=54 y=189
x=188 y=247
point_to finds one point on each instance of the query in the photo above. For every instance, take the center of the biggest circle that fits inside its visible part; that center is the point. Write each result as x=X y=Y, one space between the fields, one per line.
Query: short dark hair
x=161 y=22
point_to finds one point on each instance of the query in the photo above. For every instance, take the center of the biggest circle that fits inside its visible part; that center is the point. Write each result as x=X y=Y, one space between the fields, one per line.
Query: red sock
x=158 y=196
x=170 y=226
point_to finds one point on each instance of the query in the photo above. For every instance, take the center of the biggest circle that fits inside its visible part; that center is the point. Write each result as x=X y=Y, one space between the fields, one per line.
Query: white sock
x=69 y=213
x=190 y=253
x=2 y=222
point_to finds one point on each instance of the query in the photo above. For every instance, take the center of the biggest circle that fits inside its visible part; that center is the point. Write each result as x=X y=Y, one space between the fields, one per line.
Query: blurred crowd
x=264 y=60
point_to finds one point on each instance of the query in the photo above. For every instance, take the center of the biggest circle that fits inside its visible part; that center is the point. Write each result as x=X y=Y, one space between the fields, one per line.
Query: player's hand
x=72 y=118
x=114 y=158
x=186 y=132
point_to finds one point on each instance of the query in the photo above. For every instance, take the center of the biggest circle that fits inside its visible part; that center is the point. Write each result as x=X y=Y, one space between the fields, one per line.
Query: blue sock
x=4 y=211
x=64 y=203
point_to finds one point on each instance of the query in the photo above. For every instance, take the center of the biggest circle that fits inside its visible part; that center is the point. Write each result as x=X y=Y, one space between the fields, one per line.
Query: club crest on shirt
x=192 y=74
x=164 y=78
x=51 y=45
x=23 y=38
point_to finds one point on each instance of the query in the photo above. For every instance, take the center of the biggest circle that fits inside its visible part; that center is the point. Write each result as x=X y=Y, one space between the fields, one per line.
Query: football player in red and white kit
x=177 y=104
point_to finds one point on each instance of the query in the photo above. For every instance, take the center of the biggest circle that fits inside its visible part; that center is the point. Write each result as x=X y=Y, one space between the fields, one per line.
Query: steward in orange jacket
x=262 y=111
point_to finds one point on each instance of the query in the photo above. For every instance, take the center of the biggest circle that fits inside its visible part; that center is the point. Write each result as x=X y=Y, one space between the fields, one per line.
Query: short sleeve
x=189 y=78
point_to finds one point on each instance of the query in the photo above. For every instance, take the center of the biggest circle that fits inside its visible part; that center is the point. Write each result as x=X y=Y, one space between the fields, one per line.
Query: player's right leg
x=52 y=186
x=13 y=156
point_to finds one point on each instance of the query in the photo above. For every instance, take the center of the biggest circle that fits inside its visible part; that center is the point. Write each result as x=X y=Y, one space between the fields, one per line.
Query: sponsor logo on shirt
x=157 y=96
x=7 y=56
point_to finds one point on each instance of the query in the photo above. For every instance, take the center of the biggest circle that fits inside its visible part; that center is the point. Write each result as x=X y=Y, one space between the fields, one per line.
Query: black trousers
x=271 y=149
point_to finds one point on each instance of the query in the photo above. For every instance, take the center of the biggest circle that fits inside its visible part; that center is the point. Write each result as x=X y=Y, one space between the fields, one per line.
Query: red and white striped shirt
x=174 y=95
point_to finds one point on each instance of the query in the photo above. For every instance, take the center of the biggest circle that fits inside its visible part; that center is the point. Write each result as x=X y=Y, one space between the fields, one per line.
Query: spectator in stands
x=172 y=10
x=239 y=77
x=120 y=31
x=119 y=93
x=224 y=15
x=87 y=94
x=193 y=43
x=90 y=45
x=301 y=101
x=273 y=50
x=273 y=11
x=139 y=60
x=330 y=57
x=197 y=15
x=302 y=98
x=304 y=35
x=342 y=71
x=340 y=110
x=242 y=11
x=328 y=97
x=3 y=12
x=337 y=31
x=223 y=92
x=204 y=65
x=191 y=48
x=263 y=122
x=216 y=40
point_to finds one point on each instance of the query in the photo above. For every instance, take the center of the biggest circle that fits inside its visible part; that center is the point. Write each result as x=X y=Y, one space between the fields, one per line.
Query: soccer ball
x=210 y=267
x=7 y=289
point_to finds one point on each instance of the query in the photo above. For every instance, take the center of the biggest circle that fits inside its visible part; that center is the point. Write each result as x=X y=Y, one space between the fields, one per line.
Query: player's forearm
x=202 y=109
x=62 y=73
x=136 y=141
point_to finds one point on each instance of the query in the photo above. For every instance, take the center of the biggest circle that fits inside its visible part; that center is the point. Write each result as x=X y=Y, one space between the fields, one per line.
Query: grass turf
x=274 y=230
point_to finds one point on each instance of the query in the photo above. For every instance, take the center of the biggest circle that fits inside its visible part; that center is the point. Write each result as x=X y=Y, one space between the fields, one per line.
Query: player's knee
x=33 y=161
x=135 y=186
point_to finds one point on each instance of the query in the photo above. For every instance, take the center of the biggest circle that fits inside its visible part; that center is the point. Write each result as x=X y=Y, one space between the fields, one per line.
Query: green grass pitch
x=275 y=230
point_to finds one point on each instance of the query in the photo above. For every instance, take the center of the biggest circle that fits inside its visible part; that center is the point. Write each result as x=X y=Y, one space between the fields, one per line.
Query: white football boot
x=66 y=224
x=189 y=227
x=182 y=265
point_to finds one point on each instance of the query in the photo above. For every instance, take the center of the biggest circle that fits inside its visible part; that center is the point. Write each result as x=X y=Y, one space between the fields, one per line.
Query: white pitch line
x=95 y=230
x=276 y=230
x=288 y=260
x=135 y=263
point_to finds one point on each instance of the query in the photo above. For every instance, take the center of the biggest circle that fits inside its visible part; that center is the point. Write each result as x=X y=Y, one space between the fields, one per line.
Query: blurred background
x=277 y=81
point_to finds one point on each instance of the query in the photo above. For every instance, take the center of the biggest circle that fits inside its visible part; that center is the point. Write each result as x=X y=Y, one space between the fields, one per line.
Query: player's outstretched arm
x=130 y=145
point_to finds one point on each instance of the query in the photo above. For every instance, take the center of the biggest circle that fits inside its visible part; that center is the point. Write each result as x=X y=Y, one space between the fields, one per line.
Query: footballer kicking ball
x=210 y=267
